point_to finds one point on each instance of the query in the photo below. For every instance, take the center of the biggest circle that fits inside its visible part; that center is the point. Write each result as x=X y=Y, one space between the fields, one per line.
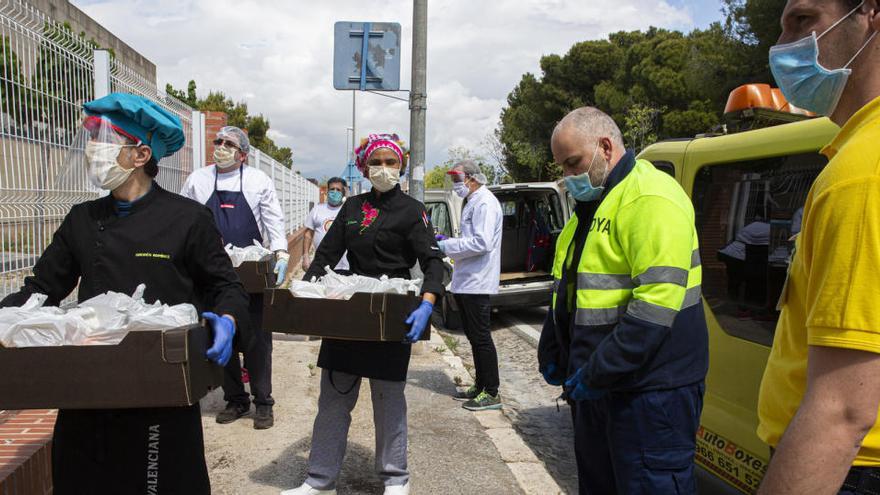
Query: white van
x=534 y=215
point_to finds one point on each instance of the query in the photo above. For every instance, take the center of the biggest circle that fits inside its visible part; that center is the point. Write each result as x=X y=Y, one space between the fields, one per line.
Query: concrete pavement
x=451 y=450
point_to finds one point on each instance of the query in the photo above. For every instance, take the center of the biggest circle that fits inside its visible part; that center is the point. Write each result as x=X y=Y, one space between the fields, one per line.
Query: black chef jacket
x=398 y=236
x=171 y=244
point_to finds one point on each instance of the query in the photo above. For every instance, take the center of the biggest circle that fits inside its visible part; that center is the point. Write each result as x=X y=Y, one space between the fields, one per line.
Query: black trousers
x=475 y=315
x=130 y=451
x=257 y=360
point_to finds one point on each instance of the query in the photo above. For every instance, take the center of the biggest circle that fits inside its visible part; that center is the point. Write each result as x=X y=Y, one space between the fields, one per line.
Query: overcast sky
x=278 y=57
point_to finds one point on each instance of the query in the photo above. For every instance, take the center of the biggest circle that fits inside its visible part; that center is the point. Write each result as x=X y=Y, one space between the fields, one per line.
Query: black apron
x=238 y=226
x=234 y=216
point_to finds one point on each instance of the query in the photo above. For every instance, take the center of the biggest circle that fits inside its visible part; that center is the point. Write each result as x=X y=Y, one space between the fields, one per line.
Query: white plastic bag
x=307 y=289
x=336 y=286
x=251 y=253
x=102 y=320
x=163 y=316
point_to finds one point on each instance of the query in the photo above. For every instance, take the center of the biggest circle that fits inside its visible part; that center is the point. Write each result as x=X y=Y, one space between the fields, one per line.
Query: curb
x=529 y=472
x=522 y=330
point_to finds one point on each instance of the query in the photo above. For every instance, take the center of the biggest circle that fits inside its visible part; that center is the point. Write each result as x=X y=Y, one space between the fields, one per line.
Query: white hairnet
x=236 y=135
x=472 y=170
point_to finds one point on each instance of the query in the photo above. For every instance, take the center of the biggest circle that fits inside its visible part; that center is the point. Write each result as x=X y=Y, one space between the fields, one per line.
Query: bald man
x=626 y=336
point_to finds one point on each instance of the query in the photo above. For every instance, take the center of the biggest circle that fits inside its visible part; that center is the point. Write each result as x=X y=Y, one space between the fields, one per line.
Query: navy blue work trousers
x=634 y=443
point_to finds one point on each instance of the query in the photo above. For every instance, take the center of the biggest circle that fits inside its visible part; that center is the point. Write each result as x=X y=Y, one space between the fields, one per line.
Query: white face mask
x=384 y=178
x=104 y=169
x=224 y=157
x=461 y=189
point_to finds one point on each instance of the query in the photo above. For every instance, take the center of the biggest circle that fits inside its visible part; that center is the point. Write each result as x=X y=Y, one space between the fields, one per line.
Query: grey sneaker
x=471 y=393
x=483 y=402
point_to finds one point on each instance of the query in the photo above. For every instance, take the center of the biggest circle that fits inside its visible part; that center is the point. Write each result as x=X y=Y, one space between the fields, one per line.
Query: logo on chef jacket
x=155 y=256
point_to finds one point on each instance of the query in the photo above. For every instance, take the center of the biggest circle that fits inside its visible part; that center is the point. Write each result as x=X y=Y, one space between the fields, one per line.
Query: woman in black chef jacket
x=385 y=232
x=137 y=234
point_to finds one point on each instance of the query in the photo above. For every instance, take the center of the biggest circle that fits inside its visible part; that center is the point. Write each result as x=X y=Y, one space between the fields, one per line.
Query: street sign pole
x=418 y=99
x=366 y=57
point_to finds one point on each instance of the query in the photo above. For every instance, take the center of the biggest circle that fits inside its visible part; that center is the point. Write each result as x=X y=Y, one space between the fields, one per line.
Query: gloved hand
x=281 y=259
x=440 y=237
x=578 y=391
x=306 y=262
x=223 y=329
x=419 y=320
x=440 y=245
x=551 y=375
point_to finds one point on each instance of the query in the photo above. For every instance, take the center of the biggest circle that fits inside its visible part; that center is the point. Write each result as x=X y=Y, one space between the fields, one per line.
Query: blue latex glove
x=223 y=329
x=440 y=237
x=550 y=375
x=281 y=269
x=578 y=391
x=419 y=320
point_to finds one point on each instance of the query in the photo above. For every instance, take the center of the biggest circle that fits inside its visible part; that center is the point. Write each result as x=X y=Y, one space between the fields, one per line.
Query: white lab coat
x=259 y=192
x=477 y=253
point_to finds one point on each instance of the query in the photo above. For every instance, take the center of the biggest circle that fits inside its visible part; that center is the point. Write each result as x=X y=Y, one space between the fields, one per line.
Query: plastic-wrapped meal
x=251 y=253
x=336 y=286
x=102 y=320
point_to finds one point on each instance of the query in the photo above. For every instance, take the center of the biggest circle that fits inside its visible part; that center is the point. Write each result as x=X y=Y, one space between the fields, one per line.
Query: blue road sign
x=377 y=43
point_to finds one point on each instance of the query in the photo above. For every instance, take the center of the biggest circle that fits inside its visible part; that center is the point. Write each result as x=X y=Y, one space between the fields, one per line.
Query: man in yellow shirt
x=821 y=390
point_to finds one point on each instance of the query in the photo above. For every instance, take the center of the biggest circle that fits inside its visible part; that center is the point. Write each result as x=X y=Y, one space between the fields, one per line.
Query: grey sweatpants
x=330 y=433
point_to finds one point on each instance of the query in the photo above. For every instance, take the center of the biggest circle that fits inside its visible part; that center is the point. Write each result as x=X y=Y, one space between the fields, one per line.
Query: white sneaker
x=397 y=489
x=305 y=489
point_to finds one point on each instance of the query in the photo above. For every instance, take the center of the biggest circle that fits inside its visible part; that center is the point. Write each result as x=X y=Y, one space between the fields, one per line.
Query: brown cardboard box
x=162 y=368
x=256 y=276
x=371 y=317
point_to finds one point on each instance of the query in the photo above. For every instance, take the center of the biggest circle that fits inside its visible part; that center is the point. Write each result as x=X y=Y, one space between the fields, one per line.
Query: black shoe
x=264 y=419
x=232 y=412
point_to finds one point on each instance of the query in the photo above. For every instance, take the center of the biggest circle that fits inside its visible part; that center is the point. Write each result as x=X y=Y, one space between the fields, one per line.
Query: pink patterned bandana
x=377 y=141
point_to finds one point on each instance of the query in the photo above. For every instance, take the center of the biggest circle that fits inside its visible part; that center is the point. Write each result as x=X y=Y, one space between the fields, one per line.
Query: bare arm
x=838 y=409
x=307 y=241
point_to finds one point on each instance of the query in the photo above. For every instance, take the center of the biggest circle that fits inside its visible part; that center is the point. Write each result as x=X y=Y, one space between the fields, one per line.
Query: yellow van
x=748 y=190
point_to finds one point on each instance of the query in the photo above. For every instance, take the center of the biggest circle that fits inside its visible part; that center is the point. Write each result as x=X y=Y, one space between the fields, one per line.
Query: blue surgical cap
x=156 y=127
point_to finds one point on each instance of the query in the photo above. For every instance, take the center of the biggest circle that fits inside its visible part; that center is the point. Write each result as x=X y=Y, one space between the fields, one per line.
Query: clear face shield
x=457 y=182
x=98 y=157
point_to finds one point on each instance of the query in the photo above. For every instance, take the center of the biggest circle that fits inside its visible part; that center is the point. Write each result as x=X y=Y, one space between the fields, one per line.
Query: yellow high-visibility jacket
x=630 y=301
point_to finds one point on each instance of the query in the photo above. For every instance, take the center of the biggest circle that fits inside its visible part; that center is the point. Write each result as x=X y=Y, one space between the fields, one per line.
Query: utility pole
x=418 y=100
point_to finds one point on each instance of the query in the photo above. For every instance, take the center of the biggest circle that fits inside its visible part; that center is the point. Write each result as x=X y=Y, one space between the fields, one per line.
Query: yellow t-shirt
x=833 y=292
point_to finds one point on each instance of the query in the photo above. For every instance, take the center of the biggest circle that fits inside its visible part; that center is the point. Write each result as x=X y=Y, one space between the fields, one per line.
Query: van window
x=746 y=215
x=667 y=167
x=508 y=208
x=438 y=214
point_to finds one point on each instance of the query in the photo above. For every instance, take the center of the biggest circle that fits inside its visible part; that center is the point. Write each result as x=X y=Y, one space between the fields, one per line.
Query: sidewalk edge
x=529 y=472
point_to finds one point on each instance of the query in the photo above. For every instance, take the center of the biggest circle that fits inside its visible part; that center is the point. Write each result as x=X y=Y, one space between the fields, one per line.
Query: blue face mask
x=581 y=186
x=803 y=80
x=334 y=198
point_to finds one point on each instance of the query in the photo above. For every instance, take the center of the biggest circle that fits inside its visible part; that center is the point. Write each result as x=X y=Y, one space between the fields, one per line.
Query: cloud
x=278 y=57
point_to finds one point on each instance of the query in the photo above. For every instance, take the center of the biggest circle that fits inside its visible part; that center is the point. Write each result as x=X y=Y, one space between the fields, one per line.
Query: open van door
x=533 y=217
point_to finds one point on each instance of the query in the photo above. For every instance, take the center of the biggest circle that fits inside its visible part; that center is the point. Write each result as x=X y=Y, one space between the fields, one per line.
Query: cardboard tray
x=256 y=276
x=365 y=317
x=162 y=368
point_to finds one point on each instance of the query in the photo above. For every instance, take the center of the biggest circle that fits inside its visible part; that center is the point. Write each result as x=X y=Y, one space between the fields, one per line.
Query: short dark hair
x=337 y=180
x=152 y=168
